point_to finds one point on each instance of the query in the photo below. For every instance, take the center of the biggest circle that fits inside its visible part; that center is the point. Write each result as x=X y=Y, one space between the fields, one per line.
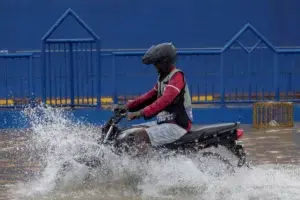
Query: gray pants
x=163 y=133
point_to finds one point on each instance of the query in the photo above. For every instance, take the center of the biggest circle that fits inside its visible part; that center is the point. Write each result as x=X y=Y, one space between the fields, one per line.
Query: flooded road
x=274 y=154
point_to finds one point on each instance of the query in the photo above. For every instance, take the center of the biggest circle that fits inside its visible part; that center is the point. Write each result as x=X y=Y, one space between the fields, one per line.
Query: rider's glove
x=121 y=109
x=135 y=115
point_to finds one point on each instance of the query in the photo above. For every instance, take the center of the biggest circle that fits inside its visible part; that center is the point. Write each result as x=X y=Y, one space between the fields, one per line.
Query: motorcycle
x=196 y=140
x=119 y=139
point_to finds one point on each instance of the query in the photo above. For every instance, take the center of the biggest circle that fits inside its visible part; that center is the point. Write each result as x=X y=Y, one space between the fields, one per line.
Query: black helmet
x=164 y=52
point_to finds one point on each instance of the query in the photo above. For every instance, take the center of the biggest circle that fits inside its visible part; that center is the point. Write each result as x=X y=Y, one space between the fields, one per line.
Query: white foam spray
x=57 y=139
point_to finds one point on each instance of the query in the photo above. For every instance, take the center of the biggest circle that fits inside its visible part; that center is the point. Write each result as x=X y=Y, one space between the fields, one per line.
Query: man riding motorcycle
x=169 y=100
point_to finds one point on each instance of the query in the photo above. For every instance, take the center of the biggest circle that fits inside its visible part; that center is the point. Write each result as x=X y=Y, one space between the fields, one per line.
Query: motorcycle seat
x=197 y=133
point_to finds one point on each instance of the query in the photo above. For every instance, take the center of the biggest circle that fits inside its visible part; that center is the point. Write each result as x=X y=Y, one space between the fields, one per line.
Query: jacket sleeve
x=175 y=85
x=143 y=101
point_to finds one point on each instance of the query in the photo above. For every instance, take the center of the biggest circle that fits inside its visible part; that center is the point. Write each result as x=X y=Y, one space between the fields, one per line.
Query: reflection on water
x=24 y=152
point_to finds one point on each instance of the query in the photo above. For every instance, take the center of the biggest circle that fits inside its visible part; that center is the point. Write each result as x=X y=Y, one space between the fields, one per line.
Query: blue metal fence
x=69 y=65
x=70 y=73
x=237 y=73
x=16 y=75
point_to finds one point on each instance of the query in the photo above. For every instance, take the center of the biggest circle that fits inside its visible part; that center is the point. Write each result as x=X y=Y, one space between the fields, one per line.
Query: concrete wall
x=16 y=119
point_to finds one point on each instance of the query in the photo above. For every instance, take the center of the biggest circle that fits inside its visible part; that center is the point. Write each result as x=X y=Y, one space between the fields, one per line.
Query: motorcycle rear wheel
x=213 y=164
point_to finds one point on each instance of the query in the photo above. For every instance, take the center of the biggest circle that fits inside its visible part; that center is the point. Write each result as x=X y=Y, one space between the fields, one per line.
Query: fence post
x=222 y=93
x=98 y=46
x=71 y=75
x=31 y=81
x=43 y=60
x=115 y=93
x=276 y=74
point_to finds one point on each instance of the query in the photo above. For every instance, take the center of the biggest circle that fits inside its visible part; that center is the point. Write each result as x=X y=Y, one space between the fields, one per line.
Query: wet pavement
x=271 y=146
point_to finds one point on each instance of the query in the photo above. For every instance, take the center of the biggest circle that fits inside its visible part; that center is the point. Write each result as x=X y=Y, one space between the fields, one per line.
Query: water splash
x=56 y=139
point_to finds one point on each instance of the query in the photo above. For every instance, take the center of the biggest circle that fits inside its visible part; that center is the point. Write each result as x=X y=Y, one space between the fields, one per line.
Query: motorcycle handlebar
x=122 y=115
x=118 y=116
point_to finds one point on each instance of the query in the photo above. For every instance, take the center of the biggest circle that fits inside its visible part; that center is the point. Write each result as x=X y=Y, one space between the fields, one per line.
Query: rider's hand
x=135 y=115
x=121 y=109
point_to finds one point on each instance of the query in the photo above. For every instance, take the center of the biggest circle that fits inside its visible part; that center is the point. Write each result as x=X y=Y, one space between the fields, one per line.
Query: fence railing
x=65 y=75
x=236 y=73
x=17 y=79
x=74 y=72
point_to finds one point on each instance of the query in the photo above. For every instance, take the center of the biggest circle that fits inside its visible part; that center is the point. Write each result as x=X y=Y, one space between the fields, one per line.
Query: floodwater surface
x=30 y=160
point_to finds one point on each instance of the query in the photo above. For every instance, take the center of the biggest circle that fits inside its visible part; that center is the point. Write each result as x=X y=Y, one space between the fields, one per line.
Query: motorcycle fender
x=124 y=134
